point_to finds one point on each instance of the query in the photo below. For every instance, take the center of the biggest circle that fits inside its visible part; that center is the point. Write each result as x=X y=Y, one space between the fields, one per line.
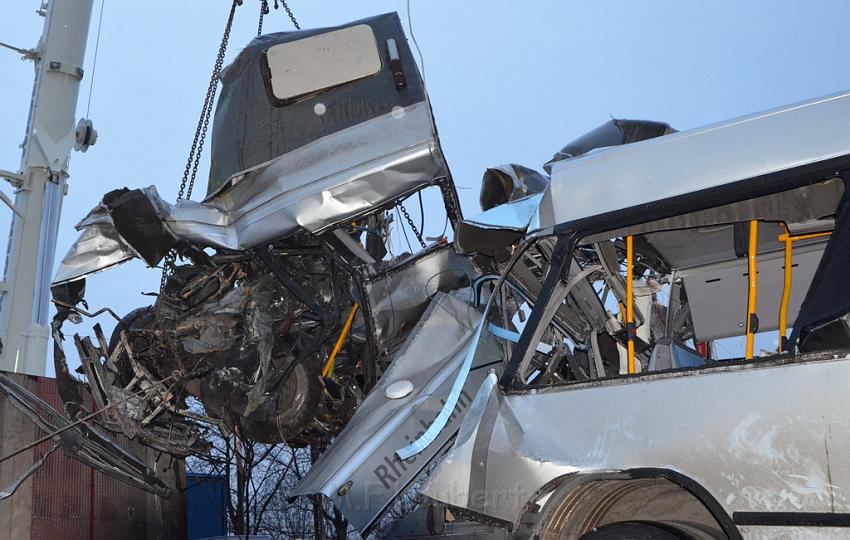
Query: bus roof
x=620 y=177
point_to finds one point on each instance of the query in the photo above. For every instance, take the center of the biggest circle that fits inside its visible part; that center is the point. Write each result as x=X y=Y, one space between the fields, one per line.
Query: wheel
x=637 y=530
x=619 y=508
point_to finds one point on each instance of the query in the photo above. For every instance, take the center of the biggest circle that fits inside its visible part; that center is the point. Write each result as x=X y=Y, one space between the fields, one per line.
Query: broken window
x=693 y=298
x=556 y=355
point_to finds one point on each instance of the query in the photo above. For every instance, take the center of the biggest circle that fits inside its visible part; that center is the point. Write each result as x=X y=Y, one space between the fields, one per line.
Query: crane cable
x=94 y=63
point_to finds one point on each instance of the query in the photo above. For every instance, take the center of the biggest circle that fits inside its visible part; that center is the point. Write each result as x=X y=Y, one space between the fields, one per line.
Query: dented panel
x=758 y=437
x=360 y=471
x=399 y=296
x=340 y=177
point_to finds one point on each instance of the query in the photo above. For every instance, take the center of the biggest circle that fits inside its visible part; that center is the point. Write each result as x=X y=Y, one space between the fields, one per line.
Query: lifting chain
x=288 y=12
x=194 y=160
x=190 y=173
x=188 y=182
x=264 y=10
x=412 y=225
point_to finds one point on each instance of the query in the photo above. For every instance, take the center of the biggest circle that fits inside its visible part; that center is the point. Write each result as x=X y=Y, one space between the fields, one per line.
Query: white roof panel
x=625 y=176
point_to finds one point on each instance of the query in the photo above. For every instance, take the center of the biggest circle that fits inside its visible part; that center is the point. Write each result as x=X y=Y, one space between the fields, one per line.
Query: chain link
x=288 y=12
x=191 y=170
x=264 y=10
x=167 y=265
x=412 y=225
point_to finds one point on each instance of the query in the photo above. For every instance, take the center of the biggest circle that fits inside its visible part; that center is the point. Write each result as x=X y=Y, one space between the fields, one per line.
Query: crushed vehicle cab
x=675 y=348
x=281 y=302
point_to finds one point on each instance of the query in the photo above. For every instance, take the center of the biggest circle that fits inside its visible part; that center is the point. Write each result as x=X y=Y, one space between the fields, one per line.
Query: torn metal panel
x=319 y=184
x=360 y=471
x=340 y=177
x=99 y=247
x=498 y=228
x=612 y=133
x=765 y=460
x=400 y=296
x=137 y=219
x=507 y=183
x=510 y=195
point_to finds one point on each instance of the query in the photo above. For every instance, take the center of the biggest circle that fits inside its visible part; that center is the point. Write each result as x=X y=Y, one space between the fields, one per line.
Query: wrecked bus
x=674 y=348
x=596 y=360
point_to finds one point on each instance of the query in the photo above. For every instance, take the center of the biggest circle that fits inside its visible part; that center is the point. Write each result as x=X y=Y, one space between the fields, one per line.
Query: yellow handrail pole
x=786 y=289
x=789 y=240
x=752 y=291
x=329 y=365
x=785 y=236
x=630 y=302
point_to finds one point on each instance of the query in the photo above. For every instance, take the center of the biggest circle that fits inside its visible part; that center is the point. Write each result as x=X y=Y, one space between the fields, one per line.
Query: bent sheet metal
x=360 y=472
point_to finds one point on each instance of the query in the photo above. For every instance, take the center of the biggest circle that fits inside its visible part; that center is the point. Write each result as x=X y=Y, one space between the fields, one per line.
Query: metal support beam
x=38 y=199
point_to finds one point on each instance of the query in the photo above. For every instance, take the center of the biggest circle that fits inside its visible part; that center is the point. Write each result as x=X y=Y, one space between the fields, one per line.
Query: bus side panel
x=759 y=438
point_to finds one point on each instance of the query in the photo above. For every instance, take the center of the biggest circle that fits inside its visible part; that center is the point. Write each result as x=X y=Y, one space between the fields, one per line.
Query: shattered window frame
x=570 y=235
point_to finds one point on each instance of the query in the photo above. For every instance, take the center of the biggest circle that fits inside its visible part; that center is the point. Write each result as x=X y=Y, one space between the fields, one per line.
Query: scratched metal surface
x=759 y=438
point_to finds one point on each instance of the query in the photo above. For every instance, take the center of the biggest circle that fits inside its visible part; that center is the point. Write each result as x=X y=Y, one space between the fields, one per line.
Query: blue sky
x=508 y=81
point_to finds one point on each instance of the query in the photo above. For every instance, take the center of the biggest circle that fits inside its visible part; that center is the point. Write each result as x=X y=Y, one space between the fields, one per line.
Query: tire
x=619 y=508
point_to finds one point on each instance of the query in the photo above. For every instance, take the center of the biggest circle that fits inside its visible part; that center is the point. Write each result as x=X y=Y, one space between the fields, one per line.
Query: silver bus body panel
x=757 y=437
